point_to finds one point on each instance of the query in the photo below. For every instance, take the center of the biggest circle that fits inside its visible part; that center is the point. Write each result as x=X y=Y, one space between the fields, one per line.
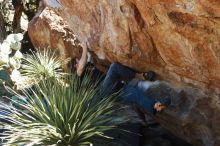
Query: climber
x=134 y=89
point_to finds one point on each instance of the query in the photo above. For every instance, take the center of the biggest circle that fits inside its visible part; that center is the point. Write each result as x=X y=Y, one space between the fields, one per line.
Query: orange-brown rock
x=178 y=39
x=48 y=30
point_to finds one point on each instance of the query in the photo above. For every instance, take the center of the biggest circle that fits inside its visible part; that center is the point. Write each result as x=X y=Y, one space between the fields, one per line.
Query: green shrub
x=41 y=65
x=74 y=113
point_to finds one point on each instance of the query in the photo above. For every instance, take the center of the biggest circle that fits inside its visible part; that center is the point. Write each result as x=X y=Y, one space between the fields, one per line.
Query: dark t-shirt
x=133 y=94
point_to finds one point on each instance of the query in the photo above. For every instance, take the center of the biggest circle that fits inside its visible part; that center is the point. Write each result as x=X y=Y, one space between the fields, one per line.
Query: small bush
x=41 y=65
x=74 y=113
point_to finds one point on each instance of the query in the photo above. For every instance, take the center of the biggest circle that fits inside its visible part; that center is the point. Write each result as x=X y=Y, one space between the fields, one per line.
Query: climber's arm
x=80 y=67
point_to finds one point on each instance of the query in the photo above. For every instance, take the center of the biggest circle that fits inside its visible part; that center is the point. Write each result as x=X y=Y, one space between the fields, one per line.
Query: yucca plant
x=42 y=65
x=72 y=114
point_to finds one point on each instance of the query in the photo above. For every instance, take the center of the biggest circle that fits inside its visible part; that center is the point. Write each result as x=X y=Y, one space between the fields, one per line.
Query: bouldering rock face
x=48 y=30
x=191 y=115
x=178 y=39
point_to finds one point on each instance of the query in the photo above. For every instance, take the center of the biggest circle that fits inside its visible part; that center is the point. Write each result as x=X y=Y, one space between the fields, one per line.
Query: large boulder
x=178 y=39
x=48 y=30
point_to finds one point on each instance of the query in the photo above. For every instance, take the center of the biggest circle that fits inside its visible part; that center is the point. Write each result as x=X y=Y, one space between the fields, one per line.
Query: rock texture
x=178 y=39
x=192 y=115
x=2 y=29
x=48 y=30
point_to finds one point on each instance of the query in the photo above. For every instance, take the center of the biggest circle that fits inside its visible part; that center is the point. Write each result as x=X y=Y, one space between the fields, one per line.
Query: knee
x=114 y=66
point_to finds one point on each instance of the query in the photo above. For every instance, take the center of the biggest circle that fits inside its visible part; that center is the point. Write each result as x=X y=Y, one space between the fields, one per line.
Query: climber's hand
x=79 y=67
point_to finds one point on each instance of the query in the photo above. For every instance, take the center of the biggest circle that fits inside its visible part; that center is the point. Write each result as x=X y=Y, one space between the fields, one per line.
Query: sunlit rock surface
x=178 y=39
x=48 y=30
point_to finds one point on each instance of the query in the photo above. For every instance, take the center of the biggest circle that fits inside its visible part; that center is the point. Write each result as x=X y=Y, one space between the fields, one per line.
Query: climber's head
x=162 y=104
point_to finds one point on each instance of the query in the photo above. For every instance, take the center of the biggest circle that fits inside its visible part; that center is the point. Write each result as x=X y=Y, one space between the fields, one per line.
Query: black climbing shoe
x=150 y=75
